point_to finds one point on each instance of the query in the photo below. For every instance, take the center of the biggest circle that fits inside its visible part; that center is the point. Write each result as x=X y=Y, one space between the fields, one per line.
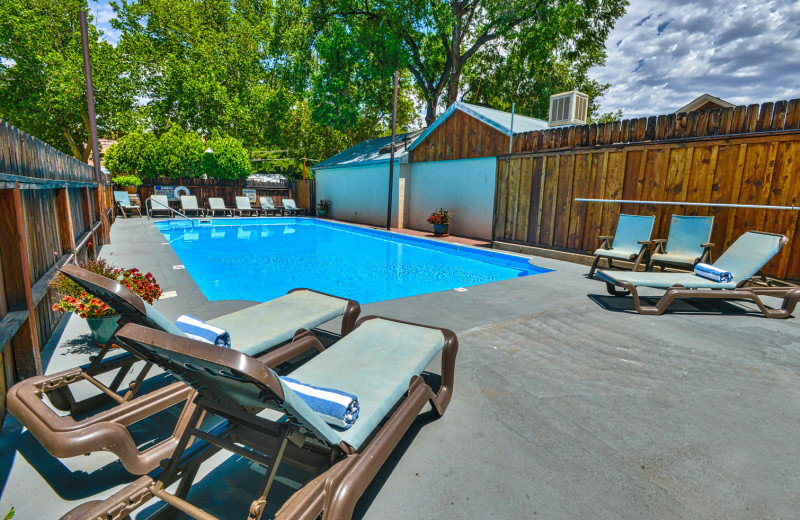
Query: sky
x=664 y=53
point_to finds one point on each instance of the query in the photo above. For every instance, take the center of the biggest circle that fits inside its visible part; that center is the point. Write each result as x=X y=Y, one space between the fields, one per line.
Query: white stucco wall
x=465 y=187
x=360 y=193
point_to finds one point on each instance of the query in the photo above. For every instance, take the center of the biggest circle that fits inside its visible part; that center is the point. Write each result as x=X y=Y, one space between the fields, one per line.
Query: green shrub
x=133 y=154
x=127 y=180
x=229 y=159
x=178 y=154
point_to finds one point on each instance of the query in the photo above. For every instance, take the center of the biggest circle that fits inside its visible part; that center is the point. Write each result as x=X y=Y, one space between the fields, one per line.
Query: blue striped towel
x=333 y=406
x=202 y=331
x=712 y=273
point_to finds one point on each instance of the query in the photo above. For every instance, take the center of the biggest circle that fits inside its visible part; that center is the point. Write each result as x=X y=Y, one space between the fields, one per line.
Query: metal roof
x=497 y=119
x=370 y=152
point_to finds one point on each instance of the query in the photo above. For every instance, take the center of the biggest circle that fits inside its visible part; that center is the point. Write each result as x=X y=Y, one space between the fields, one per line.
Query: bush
x=133 y=154
x=127 y=180
x=178 y=154
x=229 y=159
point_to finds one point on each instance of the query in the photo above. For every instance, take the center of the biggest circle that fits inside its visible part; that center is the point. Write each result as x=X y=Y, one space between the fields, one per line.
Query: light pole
x=391 y=157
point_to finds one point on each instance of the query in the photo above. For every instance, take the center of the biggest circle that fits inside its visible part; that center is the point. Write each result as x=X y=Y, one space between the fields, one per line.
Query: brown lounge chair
x=743 y=259
x=631 y=242
x=290 y=207
x=122 y=202
x=381 y=362
x=686 y=245
x=253 y=330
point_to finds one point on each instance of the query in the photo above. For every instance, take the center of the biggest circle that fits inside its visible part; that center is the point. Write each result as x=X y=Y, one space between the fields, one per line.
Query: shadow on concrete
x=83 y=344
x=682 y=306
x=67 y=484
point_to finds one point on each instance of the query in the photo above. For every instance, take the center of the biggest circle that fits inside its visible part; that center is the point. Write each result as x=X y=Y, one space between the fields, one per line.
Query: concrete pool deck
x=566 y=405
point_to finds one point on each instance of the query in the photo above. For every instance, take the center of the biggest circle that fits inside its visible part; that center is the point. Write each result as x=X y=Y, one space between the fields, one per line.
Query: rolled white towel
x=202 y=331
x=713 y=273
x=333 y=406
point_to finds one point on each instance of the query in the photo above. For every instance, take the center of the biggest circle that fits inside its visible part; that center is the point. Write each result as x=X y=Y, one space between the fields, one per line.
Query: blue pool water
x=261 y=259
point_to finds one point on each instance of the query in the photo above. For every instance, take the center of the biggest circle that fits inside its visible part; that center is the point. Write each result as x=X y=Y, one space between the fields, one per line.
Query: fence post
x=17 y=280
x=65 y=221
x=88 y=217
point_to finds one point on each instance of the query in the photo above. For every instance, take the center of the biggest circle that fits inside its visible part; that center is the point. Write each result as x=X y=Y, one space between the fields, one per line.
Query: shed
x=453 y=164
x=356 y=181
x=450 y=164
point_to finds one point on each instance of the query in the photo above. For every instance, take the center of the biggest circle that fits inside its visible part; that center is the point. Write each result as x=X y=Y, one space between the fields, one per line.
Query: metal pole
x=391 y=157
x=511 y=137
x=87 y=72
x=676 y=203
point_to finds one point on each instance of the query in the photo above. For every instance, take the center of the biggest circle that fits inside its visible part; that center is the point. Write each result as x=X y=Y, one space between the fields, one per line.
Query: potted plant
x=131 y=183
x=322 y=207
x=441 y=222
x=102 y=320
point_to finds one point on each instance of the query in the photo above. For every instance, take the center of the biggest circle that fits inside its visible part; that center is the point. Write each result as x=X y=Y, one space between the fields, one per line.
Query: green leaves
x=227 y=160
x=178 y=154
x=133 y=154
x=41 y=75
x=495 y=51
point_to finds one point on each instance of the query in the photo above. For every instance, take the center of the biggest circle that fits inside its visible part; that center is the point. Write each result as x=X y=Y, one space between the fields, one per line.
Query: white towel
x=202 y=331
x=333 y=406
x=713 y=273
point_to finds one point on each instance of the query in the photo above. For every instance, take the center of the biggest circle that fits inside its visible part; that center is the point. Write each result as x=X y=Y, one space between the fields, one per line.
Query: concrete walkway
x=566 y=405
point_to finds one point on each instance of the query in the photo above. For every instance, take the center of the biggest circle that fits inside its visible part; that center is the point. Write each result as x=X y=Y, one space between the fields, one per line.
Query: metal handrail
x=173 y=210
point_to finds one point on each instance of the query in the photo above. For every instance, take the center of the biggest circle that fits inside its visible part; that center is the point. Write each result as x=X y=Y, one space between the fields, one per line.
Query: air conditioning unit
x=568 y=108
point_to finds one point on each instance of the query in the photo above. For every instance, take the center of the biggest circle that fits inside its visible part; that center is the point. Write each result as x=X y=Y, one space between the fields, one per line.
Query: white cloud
x=103 y=13
x=661 y=55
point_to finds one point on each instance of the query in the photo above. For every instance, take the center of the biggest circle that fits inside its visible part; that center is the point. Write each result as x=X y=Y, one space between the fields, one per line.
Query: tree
x=226 y=158
x=178 y=154
x=436 y=41
x=236 y=67
x=41 y=75
x=133 y=154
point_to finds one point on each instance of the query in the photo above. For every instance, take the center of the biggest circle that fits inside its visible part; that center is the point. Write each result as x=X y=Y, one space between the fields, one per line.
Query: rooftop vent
x=568 y=108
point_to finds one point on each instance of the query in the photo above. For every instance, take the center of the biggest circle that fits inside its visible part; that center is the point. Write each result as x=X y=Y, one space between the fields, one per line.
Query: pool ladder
x=174 y=211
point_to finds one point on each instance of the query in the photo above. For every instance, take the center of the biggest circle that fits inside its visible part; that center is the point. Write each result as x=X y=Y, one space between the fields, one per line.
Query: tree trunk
x=430 y=111
x=455 y=80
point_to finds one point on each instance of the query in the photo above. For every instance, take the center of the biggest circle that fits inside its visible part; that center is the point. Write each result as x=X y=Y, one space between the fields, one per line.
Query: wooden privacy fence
x=300 y=190
x=51 y=212
x=748 y=156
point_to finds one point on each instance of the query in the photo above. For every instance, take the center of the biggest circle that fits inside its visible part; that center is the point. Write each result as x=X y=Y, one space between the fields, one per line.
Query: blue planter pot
x=441 y=229
x=103 y=328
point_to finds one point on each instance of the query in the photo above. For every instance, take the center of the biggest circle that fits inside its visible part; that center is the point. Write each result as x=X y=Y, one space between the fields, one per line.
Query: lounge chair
x=268 y=206
x=122 y=201
x=743 y=259
x=380 y=362
x=158 y=204
x=189 y=206
x=243 y=206
x=631 y=242
x=686 y=244
x=217 y=204
x=290 y=206
x=254 y=330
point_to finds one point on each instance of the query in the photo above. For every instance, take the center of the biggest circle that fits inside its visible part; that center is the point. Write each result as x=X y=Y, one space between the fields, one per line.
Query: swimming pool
x=260 y=259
